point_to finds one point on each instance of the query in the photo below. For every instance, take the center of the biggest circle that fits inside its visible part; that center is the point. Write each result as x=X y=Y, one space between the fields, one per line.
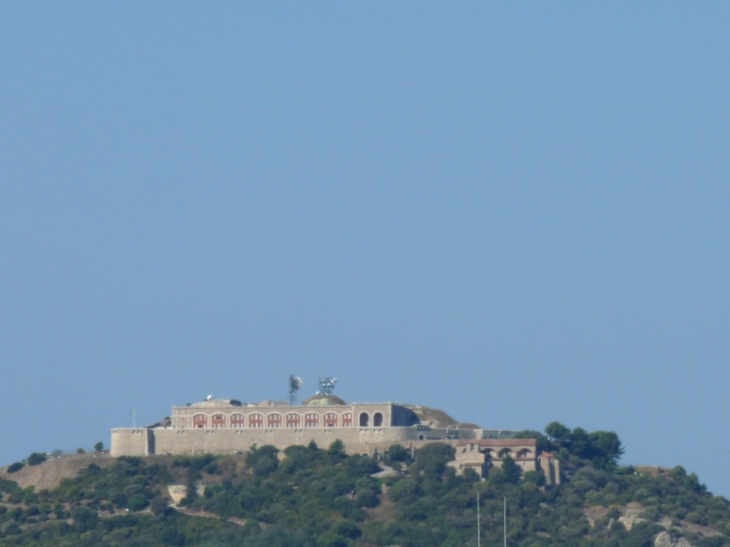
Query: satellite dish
x=209 y=397
x=295 y=384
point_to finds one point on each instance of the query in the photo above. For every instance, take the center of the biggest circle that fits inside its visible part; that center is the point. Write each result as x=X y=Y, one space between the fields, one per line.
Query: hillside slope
x=49 y=475
x=309 y=497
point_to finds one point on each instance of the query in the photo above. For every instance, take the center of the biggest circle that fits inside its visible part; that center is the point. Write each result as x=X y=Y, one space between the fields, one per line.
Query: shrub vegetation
x=312 y=497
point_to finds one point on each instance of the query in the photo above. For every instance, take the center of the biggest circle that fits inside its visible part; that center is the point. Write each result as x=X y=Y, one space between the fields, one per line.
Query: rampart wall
x=478 y=454
x=132 y=442
x=144 y=442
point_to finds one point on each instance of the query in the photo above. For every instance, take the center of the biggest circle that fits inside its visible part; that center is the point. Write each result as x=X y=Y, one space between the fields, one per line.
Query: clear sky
x=517 y=212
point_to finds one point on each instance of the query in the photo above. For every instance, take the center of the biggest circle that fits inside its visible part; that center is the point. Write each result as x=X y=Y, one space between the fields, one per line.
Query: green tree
x=137 y=502
x=337 y=448
x=263 y=460
x=607 y=449
x=191 y=491
x=99 y=446
x=85 y=517
x=579 y=443
x=330 y=539
x=535 y=477
x=557 y=431
x=36 y=458
x=15 y=467
x=159 y=506
x=601 y=449
x=432 y=458
x=397 y=453
x=511 y=470
x=542 y=443
x=346 y=528
x=405 y=491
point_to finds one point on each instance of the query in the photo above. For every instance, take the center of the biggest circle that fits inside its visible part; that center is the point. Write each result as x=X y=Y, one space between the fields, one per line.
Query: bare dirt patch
x=594 y=513
x=699 y=529
x=386 y=510
x=48 y=475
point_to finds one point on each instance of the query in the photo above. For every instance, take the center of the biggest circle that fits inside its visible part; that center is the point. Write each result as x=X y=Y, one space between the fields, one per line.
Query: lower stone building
x=483 y=454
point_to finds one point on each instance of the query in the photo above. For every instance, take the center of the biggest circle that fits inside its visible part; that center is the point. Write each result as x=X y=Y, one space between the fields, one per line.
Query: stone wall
x=357 y=440
x=132 y=442
x=360 y=440
x=143 y=442
x=551 y=467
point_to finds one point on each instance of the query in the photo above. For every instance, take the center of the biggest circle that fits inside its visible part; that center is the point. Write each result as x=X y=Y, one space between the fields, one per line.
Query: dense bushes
x=36 y=458
x=600 y=449
x=15 y=467
x=308 y=497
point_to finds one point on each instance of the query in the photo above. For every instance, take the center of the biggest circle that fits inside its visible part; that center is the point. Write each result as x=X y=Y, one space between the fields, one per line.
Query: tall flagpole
x=505 y=521
x=479 y=525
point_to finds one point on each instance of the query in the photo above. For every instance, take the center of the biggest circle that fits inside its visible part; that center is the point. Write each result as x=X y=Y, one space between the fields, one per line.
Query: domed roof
x=324 y=400
x=432 y=416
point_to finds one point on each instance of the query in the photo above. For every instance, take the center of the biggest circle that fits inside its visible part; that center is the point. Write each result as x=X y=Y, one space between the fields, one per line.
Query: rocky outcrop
x=664 y=539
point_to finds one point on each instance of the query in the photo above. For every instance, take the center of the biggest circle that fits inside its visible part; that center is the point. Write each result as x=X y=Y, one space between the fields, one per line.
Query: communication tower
x=327 y=385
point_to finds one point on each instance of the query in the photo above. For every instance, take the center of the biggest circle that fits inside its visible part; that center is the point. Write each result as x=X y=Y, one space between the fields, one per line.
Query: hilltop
x=56 y=467
x=314 y=497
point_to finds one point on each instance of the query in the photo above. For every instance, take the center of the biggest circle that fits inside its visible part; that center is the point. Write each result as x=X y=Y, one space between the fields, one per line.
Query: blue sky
x=516 y=212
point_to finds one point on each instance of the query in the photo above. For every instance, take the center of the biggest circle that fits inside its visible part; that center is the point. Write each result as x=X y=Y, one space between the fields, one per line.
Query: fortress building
x=226 y=426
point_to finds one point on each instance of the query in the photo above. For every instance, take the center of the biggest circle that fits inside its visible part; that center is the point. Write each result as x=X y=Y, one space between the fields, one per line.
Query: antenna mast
x=327 y=385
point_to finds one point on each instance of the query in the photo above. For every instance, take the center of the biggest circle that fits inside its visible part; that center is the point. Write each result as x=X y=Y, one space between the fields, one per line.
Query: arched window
x=219 y=421
x=330 y=419
x=347 y=419
x=364 y=419
x=293 y=420
x=237 y=421
x=311 y=420
x=378 y=419
x=273 y=420
x=505 y=452
x=200 y=421
x=524 y=453
x=256 y=421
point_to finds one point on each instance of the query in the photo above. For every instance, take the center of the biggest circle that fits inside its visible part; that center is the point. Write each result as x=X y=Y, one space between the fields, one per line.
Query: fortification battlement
x=225 y=426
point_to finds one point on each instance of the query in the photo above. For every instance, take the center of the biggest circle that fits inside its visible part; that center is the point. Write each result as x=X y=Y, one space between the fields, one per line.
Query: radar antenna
x=295 y=384
x=327 y=385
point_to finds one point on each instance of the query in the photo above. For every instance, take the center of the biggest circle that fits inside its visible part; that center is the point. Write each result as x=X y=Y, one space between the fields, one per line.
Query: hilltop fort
x=225 y=426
